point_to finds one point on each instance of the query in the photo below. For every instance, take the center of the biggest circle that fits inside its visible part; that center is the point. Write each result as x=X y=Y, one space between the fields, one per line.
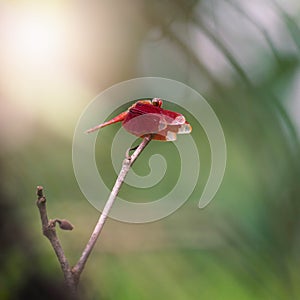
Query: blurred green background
x=243 y=57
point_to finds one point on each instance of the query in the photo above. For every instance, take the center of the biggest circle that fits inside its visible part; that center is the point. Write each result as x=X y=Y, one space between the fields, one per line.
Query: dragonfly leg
x=128 y=151
x=146 y=136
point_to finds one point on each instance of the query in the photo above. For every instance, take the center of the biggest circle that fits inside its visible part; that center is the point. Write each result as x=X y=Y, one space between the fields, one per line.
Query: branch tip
x=39 y=191
x=40 y=195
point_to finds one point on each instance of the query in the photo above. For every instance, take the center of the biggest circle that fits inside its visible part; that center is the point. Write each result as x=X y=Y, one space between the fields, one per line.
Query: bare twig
x=127 y=163
x=72 y=275
x=50 y=232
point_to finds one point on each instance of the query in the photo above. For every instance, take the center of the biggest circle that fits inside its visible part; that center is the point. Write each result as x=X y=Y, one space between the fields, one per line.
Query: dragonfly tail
x=117 y=119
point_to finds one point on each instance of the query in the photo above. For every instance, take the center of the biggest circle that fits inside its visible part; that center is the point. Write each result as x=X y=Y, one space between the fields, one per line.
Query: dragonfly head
x=157 y=102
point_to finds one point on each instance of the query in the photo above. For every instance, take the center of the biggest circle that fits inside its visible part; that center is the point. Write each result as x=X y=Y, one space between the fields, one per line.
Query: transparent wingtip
x=171 y=136
x=184 y=129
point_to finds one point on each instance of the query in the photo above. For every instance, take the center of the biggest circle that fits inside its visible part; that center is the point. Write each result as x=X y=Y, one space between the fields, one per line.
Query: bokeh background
x=243 y=57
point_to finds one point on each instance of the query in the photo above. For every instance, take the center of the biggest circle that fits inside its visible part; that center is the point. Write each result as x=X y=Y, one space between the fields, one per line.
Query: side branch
x=127 y=163
x=49 y=231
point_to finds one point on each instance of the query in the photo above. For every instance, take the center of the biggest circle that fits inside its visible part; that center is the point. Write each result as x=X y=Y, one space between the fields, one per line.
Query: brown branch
x=127 y=163
x=72 y=275
x=50 y=232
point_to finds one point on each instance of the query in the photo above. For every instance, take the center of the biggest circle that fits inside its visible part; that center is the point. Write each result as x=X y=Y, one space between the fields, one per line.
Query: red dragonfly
x=148 y=117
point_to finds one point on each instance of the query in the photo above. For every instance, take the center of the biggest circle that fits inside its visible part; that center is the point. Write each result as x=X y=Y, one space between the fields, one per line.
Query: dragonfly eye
x=157 y=102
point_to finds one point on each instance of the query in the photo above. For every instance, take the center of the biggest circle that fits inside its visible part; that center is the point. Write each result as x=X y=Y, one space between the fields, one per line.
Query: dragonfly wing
x=185 y=129
x=168 y=137
x=172 y=117
x=176 y=126
x=143 y=118
x=140 y=125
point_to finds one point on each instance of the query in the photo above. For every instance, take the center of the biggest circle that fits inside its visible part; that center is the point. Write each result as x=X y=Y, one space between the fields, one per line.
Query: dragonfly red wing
x=172 y=117
x=143 y=107
x=142 y=124
x=145 y=118
x=171 y=131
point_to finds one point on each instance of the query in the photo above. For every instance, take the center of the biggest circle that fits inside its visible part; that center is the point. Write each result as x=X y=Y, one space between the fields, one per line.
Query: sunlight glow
x=36 y=83
x=35 y=37
x=39 y=40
